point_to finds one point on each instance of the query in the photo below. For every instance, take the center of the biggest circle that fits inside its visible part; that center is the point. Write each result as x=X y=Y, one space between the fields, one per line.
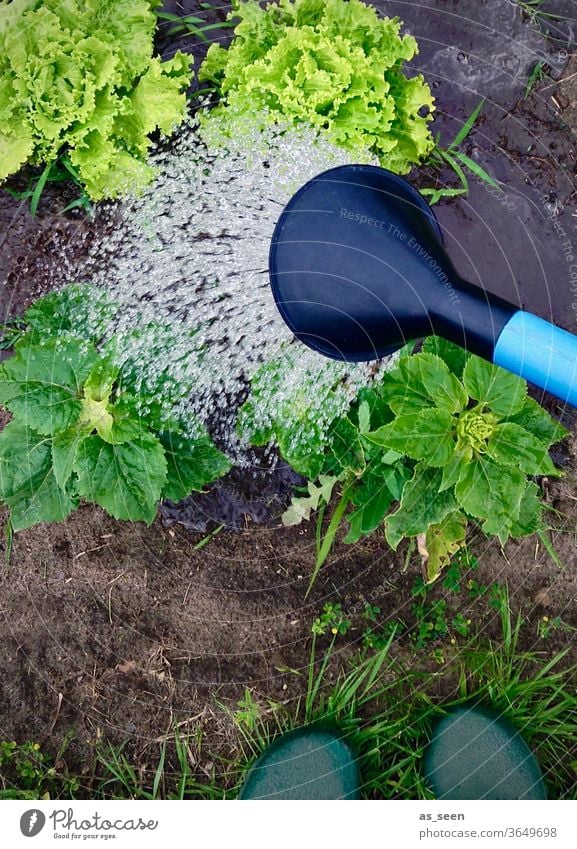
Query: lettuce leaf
x=330 y=63
x=79 y=76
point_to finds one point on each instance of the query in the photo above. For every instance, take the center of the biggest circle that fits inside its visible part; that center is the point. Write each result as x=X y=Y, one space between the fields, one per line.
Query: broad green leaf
x=529 y=520
x=512 y=445
x=42 y=384
x=127 y=423
x=346 y=447
x=100 y=381
x=64 y=449
x=452 y=470
x=367 y=518
x=395 y=477
x=422 y=505
x=441 y=542
x=77 y=310
x=403 y=390
x=504 y=393
x=442 y=387
x=364 y=416
x=454 y=356
x=537 y=421
x=193 y=464
x=425 y=435
x=379 y=411
x=27 y=482
x=126 y=480
x=488 y=491
x=373 y=495
x=301 y=507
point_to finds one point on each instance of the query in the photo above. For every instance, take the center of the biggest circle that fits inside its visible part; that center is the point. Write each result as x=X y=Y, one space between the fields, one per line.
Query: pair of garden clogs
x=473 y=754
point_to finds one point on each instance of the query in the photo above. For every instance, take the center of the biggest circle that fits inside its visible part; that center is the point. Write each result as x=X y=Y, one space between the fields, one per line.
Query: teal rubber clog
x=476 y=754
x=309 y=763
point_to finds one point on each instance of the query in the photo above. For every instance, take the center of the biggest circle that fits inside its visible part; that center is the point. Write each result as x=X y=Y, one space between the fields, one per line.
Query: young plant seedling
x=458 y=161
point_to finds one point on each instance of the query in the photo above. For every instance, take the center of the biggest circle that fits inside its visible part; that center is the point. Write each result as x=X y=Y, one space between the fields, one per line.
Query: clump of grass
x=384 y=704
x=538 y=73
x=27 y=773
x=61 y=170
x=183 y=25
x=385 y=708
x=460 y=164
x=534 y=9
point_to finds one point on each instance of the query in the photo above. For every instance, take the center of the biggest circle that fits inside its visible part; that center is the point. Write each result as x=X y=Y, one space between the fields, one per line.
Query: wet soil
x=119 y=632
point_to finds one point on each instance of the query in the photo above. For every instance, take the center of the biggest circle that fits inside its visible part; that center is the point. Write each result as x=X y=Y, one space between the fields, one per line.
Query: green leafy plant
x=55 y=172
x=385 y=707
x=538 y=73
x=458 y=162
x=446 y=436
x=27 y=773
x=477 y=440
x=547 y=626
x=534 y=9
x=331 y=619
x=192 y=24
x=333 y=64
x=83 y=82
x=77 y=431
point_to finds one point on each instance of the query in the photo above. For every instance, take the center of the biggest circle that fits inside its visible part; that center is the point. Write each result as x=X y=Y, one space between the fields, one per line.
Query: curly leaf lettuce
x=79 y=76
x=330 y=63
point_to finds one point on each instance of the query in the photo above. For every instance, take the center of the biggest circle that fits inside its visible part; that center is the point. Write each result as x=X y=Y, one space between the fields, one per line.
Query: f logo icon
x=32 y=822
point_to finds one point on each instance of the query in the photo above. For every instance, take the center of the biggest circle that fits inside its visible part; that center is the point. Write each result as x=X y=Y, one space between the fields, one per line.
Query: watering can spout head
x=358 y=268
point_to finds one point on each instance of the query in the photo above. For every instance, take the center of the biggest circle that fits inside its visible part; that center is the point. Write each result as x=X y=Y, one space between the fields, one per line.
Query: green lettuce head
x=78 y=75
x=330 y=63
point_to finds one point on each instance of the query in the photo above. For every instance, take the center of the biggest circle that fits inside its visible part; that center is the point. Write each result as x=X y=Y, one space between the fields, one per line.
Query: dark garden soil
x=120 y=632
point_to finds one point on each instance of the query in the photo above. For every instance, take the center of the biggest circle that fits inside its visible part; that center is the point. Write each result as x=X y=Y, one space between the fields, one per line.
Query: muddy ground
x=120 y=632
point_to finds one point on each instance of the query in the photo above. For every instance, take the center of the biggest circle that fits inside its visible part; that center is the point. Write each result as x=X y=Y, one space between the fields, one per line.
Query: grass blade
x=467 y=126
x=159 y=771
x=550 y=548
x=476 y=169
x=329 y=537
x=39 y=188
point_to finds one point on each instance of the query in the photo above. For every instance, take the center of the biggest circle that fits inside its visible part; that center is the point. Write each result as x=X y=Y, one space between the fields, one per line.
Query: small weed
x=534 y=9
x=192 y=24
x=332 y=620
x=546 y=626
x=59 y=171
x=431 y=624
x=206 y=539
x=434 y=620
x=325 y=543
x=461 y=625
x=545 y=538
x=171 y=777
x=459 y=163
x=371 y=612
x=475 y=589
x=249 y=712
x=538 y=73
x=26 y=773
x=377 y=639
x=498 y=597
x=461 y=565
